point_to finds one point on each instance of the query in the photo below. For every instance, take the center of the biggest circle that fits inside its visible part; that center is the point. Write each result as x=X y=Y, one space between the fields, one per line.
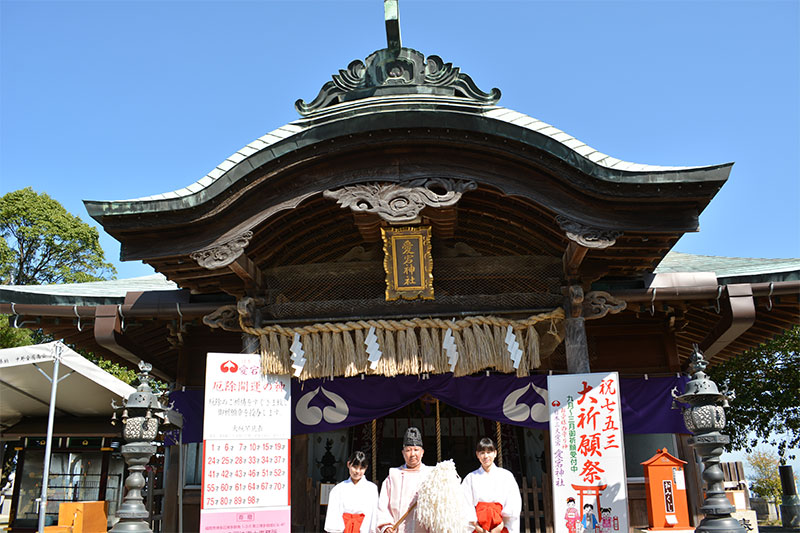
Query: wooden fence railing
x=537 y=508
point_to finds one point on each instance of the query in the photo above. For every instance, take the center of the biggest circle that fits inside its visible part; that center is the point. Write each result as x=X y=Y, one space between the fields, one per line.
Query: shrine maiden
x=493 y=492
x=352 y=503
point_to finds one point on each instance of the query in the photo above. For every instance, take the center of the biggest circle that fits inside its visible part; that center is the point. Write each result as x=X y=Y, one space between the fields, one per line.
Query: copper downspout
x=735 y=303
x=108 y=334
x=738 y=311
x=108 y=322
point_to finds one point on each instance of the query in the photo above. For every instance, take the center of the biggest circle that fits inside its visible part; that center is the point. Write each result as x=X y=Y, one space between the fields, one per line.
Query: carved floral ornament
x=401 y=203
x=587 y=236
x=224 y=254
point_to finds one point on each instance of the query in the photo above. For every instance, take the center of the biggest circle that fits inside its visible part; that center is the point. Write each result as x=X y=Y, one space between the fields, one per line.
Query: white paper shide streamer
x=441 y=505
x=373 y=349
x=513 y=347
x=449 y=347
x=298 y=359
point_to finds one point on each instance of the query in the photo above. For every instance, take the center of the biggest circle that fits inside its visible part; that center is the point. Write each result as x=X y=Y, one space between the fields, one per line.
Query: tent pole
x=49 y=441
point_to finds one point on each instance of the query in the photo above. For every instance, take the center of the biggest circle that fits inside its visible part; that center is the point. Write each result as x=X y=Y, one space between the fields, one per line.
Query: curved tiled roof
x=89 y=293
x=494 y=120
x=728 y=268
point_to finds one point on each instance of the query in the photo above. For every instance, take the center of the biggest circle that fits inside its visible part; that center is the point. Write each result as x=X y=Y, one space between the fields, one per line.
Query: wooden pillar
x=18 y=476
x=250 y=343
x=576 y=346
x=103 y=485
x=171 y=487
x=693 y=475
x=575 y=326
x=302 y=512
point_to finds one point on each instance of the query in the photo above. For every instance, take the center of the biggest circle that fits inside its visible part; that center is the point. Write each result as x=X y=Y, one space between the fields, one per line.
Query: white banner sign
x=246 y=447
x=588 y=459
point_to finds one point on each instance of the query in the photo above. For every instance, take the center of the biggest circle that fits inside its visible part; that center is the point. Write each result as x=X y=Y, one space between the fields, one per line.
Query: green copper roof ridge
x=534 y=132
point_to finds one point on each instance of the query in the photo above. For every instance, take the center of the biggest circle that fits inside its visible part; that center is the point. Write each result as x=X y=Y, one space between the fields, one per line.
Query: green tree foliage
x=765 y=479
x=118 y=371
x=11 y=337
x=43 y=243
x=766 y=380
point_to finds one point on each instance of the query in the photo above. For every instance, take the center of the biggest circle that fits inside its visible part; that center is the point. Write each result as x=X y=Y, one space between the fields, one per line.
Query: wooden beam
x=248 y=272
x=573 y=257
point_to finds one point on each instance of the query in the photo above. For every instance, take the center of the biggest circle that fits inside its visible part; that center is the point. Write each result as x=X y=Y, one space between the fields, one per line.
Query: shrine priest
x=399 y=490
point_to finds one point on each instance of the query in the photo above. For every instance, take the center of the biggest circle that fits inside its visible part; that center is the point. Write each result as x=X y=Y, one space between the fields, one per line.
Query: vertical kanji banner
x=588 y=459
x=246 y=447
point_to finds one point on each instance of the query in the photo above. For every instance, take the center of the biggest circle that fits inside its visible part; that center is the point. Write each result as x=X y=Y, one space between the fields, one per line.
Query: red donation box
x=666 y=492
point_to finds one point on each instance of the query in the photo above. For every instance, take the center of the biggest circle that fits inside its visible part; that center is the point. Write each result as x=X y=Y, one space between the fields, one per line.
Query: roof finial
x=391 y=12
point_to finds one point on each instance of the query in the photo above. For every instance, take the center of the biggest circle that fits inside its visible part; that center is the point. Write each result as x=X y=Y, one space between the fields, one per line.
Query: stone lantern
x=142 y=417
x=704 y=416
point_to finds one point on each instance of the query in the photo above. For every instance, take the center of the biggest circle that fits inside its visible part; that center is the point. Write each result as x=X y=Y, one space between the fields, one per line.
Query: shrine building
x=406 y=202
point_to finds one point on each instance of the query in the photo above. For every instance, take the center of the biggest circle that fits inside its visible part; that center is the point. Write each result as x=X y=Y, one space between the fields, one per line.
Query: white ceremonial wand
x=441 y=505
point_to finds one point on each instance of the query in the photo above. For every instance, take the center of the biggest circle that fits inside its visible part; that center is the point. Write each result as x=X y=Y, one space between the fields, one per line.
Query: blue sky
x=113 y=100
x=110 y=100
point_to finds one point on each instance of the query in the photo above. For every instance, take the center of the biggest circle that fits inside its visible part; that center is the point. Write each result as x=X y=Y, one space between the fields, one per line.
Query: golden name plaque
x=408 y=263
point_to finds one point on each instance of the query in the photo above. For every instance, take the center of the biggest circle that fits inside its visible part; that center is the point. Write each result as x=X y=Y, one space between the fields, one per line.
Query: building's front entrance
x=522 y=450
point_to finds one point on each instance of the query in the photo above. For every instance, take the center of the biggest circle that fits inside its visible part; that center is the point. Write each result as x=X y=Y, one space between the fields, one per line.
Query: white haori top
x=499 y=486
x=398 y=492
x=354 y=498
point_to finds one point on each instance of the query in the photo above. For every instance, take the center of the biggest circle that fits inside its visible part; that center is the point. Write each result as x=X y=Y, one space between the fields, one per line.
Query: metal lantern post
x=704 y=416
x=142 y=414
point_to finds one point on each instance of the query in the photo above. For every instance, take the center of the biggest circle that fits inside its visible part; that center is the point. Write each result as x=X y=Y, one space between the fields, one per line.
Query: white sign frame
x=246 y=447
x=587 y=453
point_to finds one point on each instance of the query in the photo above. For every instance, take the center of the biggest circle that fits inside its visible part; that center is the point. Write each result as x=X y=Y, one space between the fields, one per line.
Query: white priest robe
x=497 y=485
x=353 y=498
x=398 y=492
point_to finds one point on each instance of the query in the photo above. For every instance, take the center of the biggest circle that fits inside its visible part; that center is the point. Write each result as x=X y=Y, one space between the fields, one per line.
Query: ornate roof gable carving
x=397 y=71
x=224 y=254
x=399 y=203
x=587 y=236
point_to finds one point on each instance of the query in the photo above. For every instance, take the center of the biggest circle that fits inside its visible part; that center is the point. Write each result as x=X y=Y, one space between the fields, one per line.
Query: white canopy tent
x=47 y=378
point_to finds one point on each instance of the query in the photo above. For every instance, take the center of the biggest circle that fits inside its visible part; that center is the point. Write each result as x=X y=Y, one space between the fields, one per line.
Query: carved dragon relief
x=598 y=304
x=587 y=236
x=397 y=71
x=401 y=203
x=224 y=254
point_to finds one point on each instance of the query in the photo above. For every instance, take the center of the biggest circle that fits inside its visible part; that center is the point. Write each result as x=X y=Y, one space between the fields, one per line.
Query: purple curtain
x=324 y=404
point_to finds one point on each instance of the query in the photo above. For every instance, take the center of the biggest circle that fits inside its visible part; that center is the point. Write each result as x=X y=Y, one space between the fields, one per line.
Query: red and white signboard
x=246 y=447
x=588 y=460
